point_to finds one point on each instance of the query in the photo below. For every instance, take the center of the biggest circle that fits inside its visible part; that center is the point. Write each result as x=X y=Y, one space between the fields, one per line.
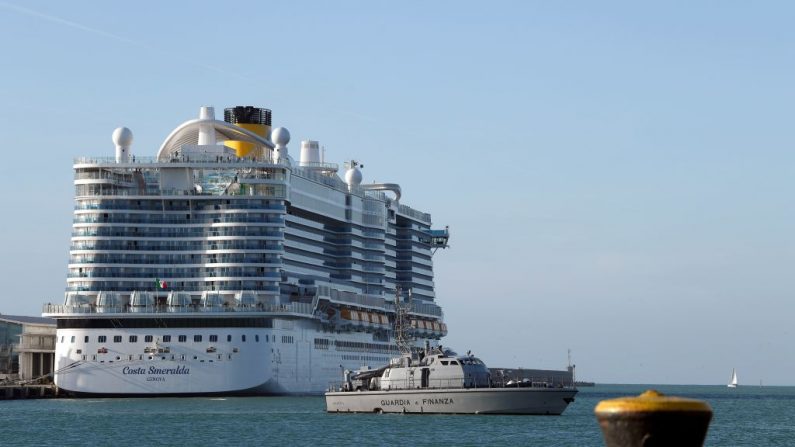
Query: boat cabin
x=433 y=370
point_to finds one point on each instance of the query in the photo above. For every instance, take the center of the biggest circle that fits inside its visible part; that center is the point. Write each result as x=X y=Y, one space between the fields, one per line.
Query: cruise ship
x=224 y=265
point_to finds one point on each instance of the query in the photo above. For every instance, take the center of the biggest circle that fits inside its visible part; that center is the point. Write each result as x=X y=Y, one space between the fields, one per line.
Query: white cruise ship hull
x=541 y=401
x=269 y=362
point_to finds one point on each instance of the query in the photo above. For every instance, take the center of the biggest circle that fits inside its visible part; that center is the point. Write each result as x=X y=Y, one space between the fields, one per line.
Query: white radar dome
x=280 y=136
x=353 y=176
x=122 y=137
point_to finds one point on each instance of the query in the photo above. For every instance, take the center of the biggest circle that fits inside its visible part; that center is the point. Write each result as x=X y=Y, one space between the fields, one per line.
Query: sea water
x=745 y=416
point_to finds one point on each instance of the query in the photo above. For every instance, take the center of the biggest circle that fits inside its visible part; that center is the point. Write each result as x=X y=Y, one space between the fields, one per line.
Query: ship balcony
x=89 y=311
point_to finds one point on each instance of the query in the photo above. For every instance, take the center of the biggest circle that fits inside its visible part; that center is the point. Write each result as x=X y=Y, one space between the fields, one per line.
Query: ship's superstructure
x=224 y=265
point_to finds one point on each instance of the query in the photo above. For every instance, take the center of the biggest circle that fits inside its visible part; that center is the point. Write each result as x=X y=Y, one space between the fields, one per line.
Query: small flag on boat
x=159 y=284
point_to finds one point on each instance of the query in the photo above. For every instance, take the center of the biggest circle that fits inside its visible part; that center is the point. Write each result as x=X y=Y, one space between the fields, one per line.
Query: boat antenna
x=402 y=339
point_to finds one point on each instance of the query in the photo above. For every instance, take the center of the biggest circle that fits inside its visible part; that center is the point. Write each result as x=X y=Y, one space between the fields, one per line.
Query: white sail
x=733 y=381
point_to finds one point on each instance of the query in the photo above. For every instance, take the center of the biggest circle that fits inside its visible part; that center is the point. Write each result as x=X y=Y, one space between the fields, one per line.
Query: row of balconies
x=176 y=245
x=176 y=260
x=177 y=232
x=157 y=206
x=262 y=219
x=177 y=274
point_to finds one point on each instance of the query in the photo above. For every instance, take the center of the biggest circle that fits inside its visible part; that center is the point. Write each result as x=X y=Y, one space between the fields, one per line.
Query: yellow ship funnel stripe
x=243 y=148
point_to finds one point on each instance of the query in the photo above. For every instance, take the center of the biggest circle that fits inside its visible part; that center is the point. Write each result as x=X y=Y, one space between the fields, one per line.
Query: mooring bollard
x=653 y=419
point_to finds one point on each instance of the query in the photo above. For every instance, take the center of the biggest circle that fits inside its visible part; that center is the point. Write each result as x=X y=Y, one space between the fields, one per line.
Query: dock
x=37 y=391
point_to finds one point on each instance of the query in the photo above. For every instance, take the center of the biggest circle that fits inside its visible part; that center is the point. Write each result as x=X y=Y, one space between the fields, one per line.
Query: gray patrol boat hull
x=529 y=400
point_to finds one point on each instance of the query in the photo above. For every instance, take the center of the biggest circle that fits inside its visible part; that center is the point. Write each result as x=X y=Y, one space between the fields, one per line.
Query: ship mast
x=402 y=323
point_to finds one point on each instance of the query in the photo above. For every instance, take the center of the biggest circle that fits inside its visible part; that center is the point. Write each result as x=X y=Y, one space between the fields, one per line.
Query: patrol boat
x=437 y=380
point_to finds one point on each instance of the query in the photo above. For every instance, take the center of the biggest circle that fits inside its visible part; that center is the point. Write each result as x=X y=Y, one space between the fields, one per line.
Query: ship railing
x=411 y=212
x=193 y=158
x=289 y=308
x=351 y=297
x=426 y=309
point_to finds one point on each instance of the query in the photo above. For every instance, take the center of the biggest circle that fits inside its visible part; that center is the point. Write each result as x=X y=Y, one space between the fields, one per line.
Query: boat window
x=256 y=338
x=166 y=338
x=183 y=338
x=117 y=339
x=133 y=338
x=148 y=338
x=445 y=362
x=213 y=338
x=85 y=339
x=102 y=339
x=453 y=362
x=228 y=338
x=197 y=338
x=243 y=337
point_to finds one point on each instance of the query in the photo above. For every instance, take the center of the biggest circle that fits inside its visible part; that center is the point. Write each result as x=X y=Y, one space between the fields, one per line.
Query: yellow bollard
x=653 y=419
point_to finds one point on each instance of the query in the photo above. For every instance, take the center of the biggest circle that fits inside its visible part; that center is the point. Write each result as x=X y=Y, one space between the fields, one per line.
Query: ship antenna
x=402 y=338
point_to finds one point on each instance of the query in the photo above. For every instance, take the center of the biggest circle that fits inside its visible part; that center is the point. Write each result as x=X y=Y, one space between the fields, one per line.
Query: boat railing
x=398 y=385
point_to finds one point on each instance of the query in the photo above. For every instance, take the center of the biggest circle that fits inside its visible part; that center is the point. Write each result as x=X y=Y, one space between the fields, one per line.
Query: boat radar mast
x=402 y=339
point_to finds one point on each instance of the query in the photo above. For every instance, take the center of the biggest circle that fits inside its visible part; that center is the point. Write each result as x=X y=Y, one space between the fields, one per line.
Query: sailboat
x=733 y=381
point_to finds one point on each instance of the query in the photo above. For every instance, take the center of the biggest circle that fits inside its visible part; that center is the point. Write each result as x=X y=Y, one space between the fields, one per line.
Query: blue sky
x=617 y=176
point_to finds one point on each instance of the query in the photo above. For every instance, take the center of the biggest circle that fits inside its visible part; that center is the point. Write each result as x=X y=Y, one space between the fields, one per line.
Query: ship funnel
x=310 y=153
x=206 y=131
x=122 y=138
x=253 y=119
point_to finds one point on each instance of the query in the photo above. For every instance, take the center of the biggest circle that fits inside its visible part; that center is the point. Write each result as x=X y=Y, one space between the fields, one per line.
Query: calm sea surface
x=746 y=416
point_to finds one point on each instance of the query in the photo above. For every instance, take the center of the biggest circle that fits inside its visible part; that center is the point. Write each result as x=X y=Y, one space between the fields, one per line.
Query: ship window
x=61 y=338
x=102 y=339
x=213 y=338
x=148 y=338
x=166 y=338
x=243 y=337
x=85 y=339
x=117 y=339
x=445 y=362
x=133 y=339
x=228 y=338
x=266 y=338
x=73 y=339
x=197 y=338
x=453 y=362
x=256 y=338
x=183 y=338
